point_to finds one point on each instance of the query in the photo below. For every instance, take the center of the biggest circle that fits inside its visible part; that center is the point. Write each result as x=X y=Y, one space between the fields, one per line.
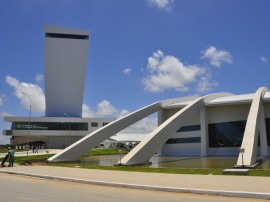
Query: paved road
x=27 y=189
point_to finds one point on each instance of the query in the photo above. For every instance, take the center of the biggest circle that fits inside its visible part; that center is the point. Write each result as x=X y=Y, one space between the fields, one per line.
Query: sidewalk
x=226 y=185
x=30 y=153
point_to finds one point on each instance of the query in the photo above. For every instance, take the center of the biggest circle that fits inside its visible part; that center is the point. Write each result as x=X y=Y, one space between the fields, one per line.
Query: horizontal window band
x=83 y=126
x=184 y=140
x=67 y=36
x=189 y=128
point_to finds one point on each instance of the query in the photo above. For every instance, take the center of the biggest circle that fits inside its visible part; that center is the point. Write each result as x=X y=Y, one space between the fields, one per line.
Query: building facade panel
x=227 y=113
x=65 y=69
x=225 y=126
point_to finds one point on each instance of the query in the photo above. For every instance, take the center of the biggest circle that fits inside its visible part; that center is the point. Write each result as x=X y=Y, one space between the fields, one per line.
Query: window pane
x=184 y=140
x=227 y=134
x=189 y=128
x=49 y=126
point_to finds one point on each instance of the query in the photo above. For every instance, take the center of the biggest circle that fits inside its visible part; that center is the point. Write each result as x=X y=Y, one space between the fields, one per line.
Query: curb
x=241 y=194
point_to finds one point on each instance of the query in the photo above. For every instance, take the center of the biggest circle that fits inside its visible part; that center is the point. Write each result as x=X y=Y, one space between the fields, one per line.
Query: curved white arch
x=255 y=120
x=79 y=148
x=144 y=151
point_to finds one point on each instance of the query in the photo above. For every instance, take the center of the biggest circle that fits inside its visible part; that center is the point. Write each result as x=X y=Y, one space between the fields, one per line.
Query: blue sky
x=140 y=52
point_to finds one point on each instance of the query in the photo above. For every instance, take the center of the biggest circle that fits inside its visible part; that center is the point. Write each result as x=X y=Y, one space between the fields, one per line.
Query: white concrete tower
x=65 y=55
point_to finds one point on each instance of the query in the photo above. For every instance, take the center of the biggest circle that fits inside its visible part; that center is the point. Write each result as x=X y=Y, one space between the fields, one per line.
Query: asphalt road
x=19 y=189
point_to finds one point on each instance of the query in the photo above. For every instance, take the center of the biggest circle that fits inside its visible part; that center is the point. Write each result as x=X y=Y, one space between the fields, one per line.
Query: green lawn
x=143 y=169
x=265 y=173
x=36 y=158
x=209 y=171
x=106 y=151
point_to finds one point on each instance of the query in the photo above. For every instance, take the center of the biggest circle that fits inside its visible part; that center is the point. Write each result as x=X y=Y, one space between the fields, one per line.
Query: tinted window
x=189 y=128
x=184 y=140
x=227 y=134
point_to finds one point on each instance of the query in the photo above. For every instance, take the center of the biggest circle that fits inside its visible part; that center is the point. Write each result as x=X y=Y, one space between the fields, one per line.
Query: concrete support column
x=263 y=135
x=204 y=132
x=161 y=117
x=250 y=139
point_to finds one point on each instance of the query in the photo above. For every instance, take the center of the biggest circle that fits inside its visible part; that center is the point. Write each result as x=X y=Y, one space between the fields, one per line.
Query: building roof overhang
x=226 y=100
x=54 y=119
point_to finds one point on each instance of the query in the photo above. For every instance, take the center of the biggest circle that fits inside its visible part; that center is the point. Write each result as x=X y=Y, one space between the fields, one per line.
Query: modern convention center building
x=220 y=124
x=217 y=124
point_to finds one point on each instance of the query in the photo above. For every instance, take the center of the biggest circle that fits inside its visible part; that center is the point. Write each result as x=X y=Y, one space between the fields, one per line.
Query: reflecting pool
x=167 y=161
x=173 y=161
x=101 y=160
x=193 y=162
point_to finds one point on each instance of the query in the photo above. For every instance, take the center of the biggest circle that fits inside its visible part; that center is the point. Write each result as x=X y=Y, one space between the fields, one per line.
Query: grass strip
x=106 y=151
x=262 y=173
x=32 y=158
x=142 y=169
x=195 y=171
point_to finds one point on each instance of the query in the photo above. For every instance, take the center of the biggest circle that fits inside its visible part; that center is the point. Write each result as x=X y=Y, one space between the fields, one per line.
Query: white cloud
x=122 y=113
x=217 y=57
x=87 y=112
x=205 y=83
x=126 y=71
x=39 y=78
x=265 y=59
x=2 y=99
x=144 y=126
x=32 y=91
x=161 y=4
x=168 y=72
x=2 y=114
x=106 y=109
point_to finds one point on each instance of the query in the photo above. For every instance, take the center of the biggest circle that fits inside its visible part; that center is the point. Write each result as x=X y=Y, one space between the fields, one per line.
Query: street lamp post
x=29 y=121
x=120 y=153
x=242 y=151
x=68 y=129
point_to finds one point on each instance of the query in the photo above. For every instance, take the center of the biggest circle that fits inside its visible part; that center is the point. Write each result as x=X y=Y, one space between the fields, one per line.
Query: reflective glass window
x=94 y=124
x=49 y=126
x=184 y=140
x=227 y=134
x=189 y=128
x=267 y=124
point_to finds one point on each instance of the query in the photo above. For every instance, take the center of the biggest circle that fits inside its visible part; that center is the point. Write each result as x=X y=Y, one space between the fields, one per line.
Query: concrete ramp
x=255 y=120
x=79 y=148
x=144 y=151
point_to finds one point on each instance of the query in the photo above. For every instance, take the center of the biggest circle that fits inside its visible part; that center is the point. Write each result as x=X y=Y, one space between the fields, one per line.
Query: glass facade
x=267 y=124
x=227 y=134
x=184 y=140
x=49 y=126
